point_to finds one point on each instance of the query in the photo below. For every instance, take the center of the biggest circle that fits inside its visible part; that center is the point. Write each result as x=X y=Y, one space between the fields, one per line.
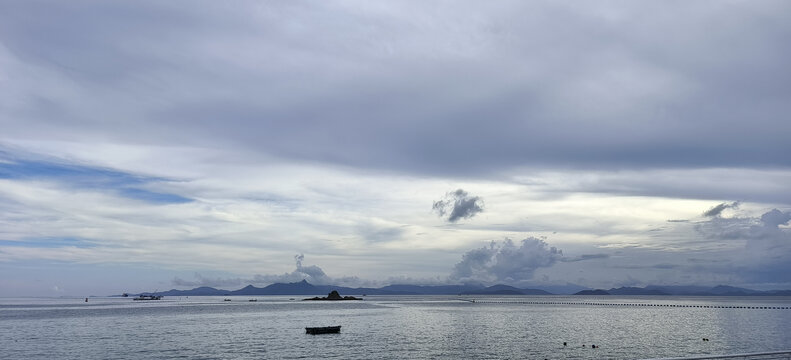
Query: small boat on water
x=323 y=330
x=148 y=297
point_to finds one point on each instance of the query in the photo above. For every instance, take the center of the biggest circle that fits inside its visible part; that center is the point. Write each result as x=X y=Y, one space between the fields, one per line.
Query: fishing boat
x=323 y=330
x=148 y=297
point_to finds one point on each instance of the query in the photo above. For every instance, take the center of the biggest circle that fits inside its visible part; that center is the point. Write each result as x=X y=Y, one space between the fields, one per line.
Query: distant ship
x=148 y=297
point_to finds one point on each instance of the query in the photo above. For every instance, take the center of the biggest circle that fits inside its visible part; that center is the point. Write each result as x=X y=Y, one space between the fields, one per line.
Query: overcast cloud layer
x=209 y=143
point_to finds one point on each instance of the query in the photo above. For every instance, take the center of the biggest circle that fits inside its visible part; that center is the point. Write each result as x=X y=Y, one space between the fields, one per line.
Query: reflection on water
x=415 y=327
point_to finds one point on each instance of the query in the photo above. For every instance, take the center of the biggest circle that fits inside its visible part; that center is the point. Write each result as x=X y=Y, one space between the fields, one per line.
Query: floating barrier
x=752 y=356
x=480 y=301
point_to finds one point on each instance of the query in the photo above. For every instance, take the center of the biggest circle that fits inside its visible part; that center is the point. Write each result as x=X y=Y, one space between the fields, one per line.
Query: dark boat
x=148 y=297
x=323 y=330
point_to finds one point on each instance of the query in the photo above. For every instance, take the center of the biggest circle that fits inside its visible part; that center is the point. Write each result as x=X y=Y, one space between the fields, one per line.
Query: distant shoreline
x=303 y=288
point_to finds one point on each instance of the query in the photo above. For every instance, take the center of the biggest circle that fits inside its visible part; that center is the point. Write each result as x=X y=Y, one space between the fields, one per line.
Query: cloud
x=717 y=210
x=505 y=261
x=767 y=226
x=752 y=184
x=584 y=257
x=767 y=245
x=311 y=273
x=344 y=96
x=666 y=266
x=775 y=218
x=349 y=82
x=379 y=231
x=458 y=205
x=201 y=280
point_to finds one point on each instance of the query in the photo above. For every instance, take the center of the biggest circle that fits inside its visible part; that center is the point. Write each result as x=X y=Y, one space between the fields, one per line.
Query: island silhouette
x=332 y=296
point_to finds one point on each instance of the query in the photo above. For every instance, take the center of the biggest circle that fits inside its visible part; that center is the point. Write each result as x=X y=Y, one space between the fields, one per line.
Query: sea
x=393 y=327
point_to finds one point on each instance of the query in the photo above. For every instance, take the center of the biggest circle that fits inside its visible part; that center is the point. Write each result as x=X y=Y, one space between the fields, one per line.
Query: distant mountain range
x=305 y=288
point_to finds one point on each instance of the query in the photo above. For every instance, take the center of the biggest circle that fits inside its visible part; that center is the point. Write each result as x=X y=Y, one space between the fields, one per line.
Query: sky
x=150 y=145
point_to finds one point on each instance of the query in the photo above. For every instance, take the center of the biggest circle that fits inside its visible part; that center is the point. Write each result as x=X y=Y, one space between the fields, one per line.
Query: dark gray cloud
x=705 y=261
x=666 y=266
x=457 y=205
x=584 y=257
x=505 y=261
x=474 y=89
x=663 y=266
x=717 y=210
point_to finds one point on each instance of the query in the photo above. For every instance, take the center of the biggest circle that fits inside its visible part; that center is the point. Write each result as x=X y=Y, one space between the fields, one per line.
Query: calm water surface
x=419 y=327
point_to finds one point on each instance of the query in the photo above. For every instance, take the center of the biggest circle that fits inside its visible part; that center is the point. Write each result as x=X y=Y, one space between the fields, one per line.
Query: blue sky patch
x=86 y=177
x=154 y=197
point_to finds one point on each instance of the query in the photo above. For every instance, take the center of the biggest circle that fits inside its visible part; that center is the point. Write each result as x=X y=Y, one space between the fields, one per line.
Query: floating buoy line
x=480 y=301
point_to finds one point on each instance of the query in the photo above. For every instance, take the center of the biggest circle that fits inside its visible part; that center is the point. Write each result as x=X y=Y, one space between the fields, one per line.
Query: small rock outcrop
x=334 y=296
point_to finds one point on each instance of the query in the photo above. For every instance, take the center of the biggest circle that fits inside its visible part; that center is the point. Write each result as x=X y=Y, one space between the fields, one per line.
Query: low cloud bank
x=311 y=273
x=767 y=244
x=765 y=227
x=761 y=245
x=505 y=261
x=201 y=280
